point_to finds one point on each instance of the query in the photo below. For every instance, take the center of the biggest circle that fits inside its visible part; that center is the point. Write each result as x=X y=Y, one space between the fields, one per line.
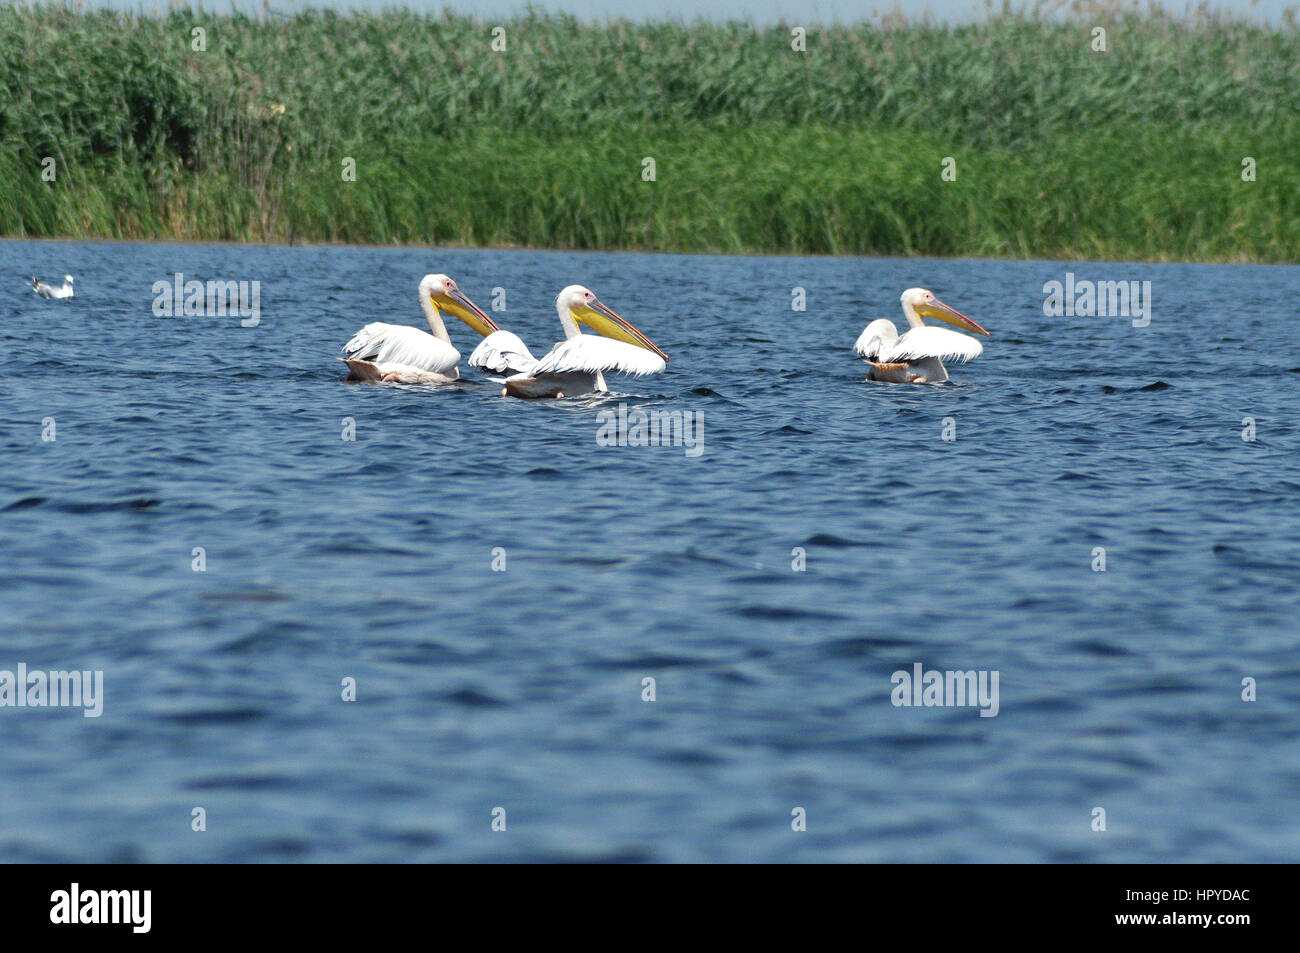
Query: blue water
x=372 y=559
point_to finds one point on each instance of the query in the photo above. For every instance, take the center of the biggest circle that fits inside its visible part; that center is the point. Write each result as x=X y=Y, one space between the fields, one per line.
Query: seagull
x=49 y=291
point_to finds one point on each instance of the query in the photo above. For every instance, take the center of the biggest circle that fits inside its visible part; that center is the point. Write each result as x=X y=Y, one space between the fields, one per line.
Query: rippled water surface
x=372 y=559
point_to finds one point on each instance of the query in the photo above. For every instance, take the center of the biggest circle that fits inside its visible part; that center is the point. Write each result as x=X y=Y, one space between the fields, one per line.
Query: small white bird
x=917 y=357
x=49 y=291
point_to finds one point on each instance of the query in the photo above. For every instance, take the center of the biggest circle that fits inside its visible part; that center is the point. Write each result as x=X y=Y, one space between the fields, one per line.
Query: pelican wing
x=927 y=341
x=398 y=344
x=504 y=353
x=876 y=337
x=590 y=354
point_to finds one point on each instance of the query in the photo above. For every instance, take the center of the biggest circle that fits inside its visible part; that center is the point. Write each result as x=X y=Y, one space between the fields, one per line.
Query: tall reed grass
x=1061 y=151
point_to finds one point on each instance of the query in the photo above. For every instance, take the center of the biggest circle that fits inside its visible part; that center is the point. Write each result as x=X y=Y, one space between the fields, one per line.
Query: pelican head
x=924 y=304
x=68 y=279
x=445 y=295
x=586 y=308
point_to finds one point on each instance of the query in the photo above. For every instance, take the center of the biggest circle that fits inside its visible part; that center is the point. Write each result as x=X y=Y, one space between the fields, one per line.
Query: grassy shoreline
x=1134 y=154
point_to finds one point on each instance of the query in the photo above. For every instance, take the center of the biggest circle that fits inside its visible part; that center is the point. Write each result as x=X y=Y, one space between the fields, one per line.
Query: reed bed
x=1059 y=150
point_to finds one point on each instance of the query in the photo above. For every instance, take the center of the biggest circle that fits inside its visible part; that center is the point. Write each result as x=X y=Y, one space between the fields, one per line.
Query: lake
x=1104 y=515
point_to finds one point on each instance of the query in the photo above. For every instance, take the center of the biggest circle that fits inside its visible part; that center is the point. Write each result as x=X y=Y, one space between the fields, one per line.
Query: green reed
x=1060 y=151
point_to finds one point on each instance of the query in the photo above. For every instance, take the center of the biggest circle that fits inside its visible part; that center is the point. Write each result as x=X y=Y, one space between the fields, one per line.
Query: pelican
x=50 y=291
x=917 y=356
x=576 y=365
x=395 y=352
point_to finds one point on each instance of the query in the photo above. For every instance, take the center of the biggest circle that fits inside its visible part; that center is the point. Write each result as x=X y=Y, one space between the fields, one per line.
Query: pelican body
x=576 y=365
x=402 y=354
x=917 y=356
x=50 y=291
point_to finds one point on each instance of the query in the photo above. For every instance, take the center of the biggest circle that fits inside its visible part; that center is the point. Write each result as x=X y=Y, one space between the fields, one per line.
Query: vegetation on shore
x=1058 y=149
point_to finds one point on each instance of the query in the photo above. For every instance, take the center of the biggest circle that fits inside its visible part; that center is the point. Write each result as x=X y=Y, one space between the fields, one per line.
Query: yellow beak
x=608 y=324
x=941 y=312
x=466 y=310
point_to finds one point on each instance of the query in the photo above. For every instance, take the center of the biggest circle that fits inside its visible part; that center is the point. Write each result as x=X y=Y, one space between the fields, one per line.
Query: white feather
x=385 y=344
x=877 y=336
x=880 y=342
x=503 y=353
x=591 y=354
x=927 y=341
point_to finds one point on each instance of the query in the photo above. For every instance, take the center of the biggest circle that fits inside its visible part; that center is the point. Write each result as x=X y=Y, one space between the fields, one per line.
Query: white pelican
x=917 y=356
x=50 y=291
x=395 y=352
x=576 y=365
